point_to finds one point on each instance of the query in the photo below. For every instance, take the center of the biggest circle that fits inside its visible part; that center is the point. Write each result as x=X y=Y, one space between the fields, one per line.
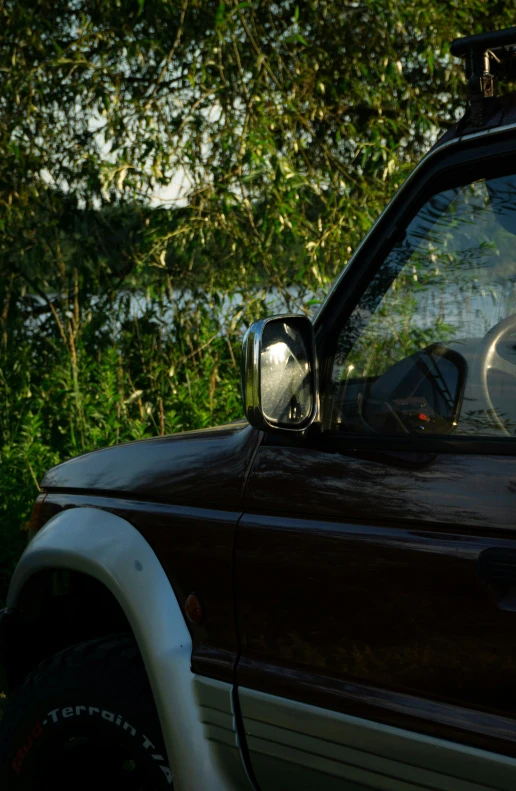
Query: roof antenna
x=489 y=56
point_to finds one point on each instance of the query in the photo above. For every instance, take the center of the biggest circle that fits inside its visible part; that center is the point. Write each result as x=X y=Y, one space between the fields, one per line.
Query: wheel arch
x=55 y=609
x=110 y=556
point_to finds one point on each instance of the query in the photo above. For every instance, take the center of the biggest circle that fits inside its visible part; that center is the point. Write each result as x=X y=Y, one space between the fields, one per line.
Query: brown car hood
x=196 y=468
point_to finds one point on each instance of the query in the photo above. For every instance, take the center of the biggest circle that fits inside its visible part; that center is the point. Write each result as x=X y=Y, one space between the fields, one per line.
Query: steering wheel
x=490 y=359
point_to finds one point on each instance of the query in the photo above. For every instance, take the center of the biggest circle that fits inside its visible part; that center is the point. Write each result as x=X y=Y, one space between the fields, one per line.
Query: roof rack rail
x=489 y=56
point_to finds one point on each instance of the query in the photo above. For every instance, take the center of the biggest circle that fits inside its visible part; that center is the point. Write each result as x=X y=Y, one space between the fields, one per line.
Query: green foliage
x=289 y=126
x=290 y=122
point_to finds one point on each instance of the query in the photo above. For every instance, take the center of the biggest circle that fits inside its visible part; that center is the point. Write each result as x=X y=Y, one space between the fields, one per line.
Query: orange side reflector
x=194 y=609
x=32 y=526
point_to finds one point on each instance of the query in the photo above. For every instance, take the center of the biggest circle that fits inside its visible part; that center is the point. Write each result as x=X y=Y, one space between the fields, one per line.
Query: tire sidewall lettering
x=63 y=714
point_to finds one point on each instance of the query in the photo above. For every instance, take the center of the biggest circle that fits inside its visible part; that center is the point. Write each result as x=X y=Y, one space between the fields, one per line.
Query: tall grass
x=84 y=371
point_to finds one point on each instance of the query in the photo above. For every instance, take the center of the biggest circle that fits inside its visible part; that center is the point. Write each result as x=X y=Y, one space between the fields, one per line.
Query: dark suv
x=324 y=595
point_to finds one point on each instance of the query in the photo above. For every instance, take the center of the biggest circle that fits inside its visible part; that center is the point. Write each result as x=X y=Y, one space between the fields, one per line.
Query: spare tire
x=84 y=719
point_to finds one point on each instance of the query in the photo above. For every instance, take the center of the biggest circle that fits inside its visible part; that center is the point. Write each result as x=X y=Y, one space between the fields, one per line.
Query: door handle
x=496 y=568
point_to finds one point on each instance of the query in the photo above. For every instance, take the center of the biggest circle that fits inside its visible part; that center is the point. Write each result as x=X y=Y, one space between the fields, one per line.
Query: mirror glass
x=285 y=374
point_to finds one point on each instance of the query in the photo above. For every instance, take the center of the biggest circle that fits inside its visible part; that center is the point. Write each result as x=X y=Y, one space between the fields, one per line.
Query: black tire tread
x=111 y=664
x=108 y=655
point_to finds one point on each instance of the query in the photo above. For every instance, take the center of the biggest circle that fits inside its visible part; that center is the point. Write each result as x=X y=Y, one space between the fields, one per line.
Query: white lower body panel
x=294 y=746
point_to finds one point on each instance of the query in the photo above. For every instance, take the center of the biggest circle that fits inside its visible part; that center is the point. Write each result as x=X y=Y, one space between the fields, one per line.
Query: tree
x=291 y=122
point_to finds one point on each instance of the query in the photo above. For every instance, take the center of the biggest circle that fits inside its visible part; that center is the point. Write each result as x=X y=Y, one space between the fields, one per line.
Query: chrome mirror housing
x=279 y=384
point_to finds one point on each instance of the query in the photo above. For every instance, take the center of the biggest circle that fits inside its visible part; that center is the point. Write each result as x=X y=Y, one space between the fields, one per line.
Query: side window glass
x=431 y=346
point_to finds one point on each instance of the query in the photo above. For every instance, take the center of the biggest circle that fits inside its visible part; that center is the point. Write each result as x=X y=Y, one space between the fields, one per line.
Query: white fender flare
x=106 y=547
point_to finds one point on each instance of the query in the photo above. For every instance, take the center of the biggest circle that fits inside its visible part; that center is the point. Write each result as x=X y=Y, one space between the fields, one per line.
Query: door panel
x=467 y=490
x=358 y=578
x=358 y=591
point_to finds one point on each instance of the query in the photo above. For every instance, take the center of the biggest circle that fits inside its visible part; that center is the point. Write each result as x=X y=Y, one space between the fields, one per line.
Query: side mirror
x=279 y=385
